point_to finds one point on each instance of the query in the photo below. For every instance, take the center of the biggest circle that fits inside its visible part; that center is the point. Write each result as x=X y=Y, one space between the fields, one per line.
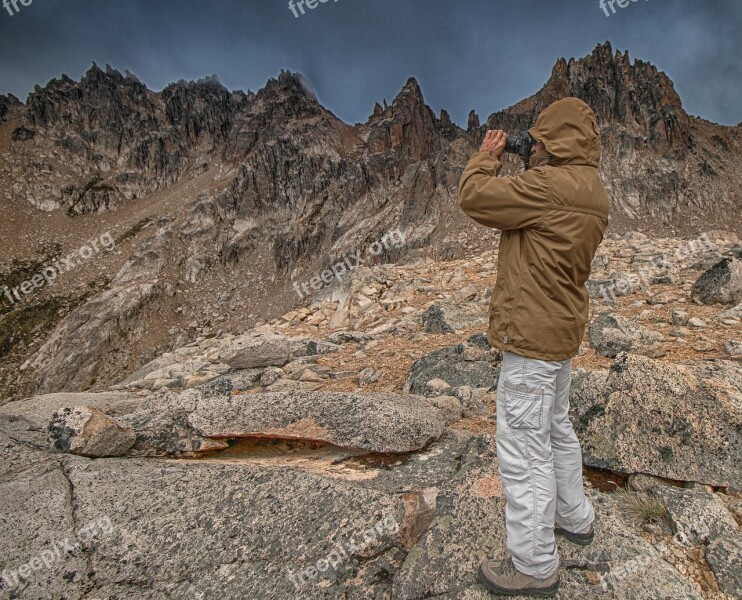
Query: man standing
x=552 y=218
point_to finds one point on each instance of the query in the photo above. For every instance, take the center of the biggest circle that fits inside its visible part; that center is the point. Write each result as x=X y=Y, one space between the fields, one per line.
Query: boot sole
x=575 y=538
x=549 y=592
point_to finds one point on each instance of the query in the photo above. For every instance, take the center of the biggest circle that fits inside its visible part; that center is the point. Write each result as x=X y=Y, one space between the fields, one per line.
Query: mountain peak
x=410 y=94
x=637 y=96
x=292 y=84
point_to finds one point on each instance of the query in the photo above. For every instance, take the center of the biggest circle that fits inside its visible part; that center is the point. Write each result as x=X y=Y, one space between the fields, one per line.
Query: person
x=552 y=217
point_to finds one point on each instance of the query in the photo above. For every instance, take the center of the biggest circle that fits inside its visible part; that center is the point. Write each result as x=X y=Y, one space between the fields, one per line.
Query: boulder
x=721 y=284
x=377 y=422
x=450 y=408
x=368 y=376
x=161 y=422
x=648 y=416
x=30 y=418
x=611 y=334
x=256 y=350
x=733 y=348
x=460 y=365
x=86 y=431
x=38 y=410
x=697 y=517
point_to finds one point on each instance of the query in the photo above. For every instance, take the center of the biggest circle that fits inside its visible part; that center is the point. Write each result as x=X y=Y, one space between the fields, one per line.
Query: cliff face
x=252 y=192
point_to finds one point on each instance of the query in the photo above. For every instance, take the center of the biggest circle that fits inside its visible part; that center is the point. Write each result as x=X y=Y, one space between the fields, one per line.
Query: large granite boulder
x=377 y=422
x=647 y=416
x=207 y=418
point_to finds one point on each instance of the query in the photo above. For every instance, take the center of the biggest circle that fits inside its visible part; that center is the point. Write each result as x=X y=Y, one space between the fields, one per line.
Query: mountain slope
x=223 y=203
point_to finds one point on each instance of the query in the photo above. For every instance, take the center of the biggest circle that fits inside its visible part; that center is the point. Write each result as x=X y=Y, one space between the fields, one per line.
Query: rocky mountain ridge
x=250 y=193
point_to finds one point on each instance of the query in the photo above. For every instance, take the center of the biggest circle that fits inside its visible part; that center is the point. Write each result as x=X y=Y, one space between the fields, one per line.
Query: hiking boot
x=582 y=538
x=501 y=577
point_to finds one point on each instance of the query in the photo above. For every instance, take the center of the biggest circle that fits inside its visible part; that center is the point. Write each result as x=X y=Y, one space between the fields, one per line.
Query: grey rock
x=36 y=504
x=436 y=387
x=696 y=517
x=30 y=417
x=724 y=556
x=256 y=350
x=648 y=416
x=721 y=284
x=480 y=341
x=310 y=347
x=161 y=424
x=368 y=376
x=450 y=408
x=271 y=375
x=266 y=349
x=341 y=337
x=230 y=536
x=733 y=348
x=679 y=317
x=39 y=409
x=379 y=422
x=471 y=400
x=696 y=322
x=450 y=365
x=727 y=372
x=450 y=318
x=610 y=335
x=86 y=431
x=732 y=313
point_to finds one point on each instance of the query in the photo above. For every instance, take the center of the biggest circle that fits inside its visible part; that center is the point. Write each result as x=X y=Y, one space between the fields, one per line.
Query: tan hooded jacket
x=552 y=220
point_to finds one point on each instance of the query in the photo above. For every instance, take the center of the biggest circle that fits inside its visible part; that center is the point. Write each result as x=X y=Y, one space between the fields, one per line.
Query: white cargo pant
x=540 y=461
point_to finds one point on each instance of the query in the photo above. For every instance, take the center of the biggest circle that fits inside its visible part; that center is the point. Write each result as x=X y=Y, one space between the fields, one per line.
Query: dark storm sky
x=481 y=54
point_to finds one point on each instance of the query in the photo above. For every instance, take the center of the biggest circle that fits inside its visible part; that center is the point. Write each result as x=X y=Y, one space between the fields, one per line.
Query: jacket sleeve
x=502 y=202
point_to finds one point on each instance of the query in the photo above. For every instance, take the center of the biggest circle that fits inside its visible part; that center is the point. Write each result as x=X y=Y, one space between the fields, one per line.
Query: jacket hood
x=569 y=130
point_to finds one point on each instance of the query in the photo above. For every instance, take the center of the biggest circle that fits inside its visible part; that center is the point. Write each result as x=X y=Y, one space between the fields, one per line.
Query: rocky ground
x=347 y=449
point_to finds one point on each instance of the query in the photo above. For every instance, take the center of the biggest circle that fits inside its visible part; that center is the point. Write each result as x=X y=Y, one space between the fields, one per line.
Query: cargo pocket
x=523 y=406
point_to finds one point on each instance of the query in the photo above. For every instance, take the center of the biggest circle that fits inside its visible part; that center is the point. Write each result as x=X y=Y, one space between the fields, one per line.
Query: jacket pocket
x=524 y=406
